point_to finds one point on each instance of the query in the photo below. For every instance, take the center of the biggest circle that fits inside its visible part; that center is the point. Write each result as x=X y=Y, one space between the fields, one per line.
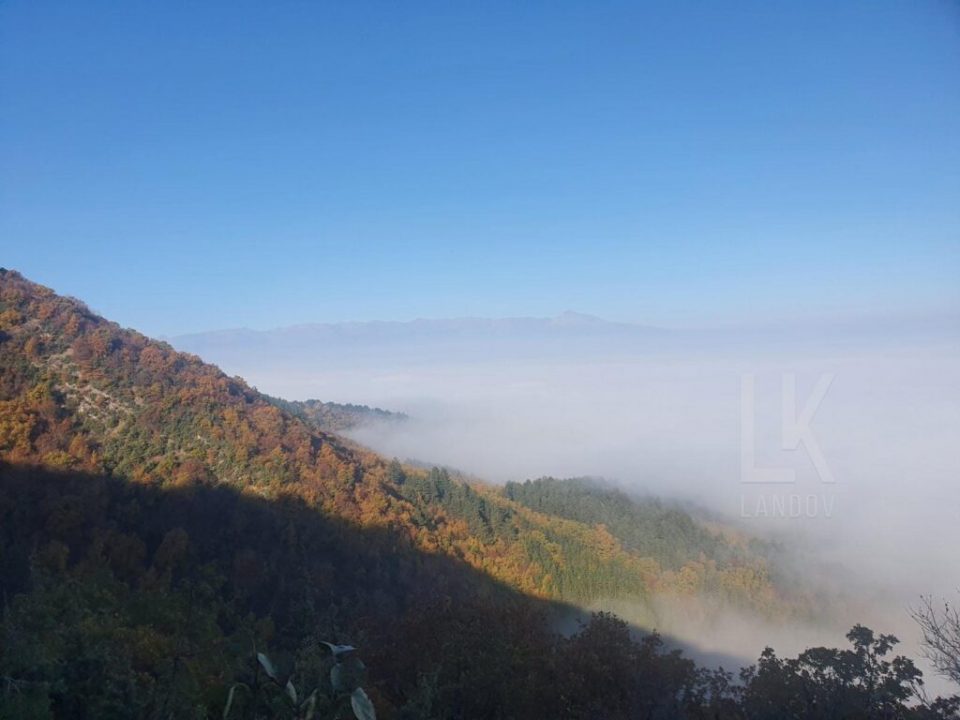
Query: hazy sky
x=185 y=166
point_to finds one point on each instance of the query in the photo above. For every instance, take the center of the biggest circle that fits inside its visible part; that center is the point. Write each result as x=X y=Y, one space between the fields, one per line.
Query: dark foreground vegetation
x=123 y=601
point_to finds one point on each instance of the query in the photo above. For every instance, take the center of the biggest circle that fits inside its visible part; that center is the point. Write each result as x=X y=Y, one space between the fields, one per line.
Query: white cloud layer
x=662 y=413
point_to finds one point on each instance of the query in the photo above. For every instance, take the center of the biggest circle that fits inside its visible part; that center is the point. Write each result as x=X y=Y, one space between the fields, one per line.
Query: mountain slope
x=337 y=417
x=81 y=393
x=666 y=533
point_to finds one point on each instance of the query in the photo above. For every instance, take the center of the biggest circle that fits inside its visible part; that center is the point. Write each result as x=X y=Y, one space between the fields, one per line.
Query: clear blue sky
x=195 y=165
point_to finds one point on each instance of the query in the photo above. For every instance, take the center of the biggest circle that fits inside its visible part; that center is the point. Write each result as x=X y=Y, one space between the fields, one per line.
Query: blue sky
x=187 y=166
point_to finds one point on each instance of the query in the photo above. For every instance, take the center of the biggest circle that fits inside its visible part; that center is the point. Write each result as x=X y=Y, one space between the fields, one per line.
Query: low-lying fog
x=876 y=516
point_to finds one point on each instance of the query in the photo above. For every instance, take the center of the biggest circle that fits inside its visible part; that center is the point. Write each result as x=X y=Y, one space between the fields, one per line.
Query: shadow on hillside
x=265 y=548
x=313 y=575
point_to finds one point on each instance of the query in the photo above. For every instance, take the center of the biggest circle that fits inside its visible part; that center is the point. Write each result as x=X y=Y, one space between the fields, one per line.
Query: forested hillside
x=666 y=533
x=160 y=523
x=80 y=393
x=337 y=417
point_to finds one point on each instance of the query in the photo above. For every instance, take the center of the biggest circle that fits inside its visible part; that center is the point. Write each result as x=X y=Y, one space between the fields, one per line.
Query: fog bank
x=664 y=412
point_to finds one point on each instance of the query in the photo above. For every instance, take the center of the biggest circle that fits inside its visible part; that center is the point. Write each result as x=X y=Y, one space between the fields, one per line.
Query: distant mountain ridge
x=568 y=324
x=300 y=349
x=566 y=319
